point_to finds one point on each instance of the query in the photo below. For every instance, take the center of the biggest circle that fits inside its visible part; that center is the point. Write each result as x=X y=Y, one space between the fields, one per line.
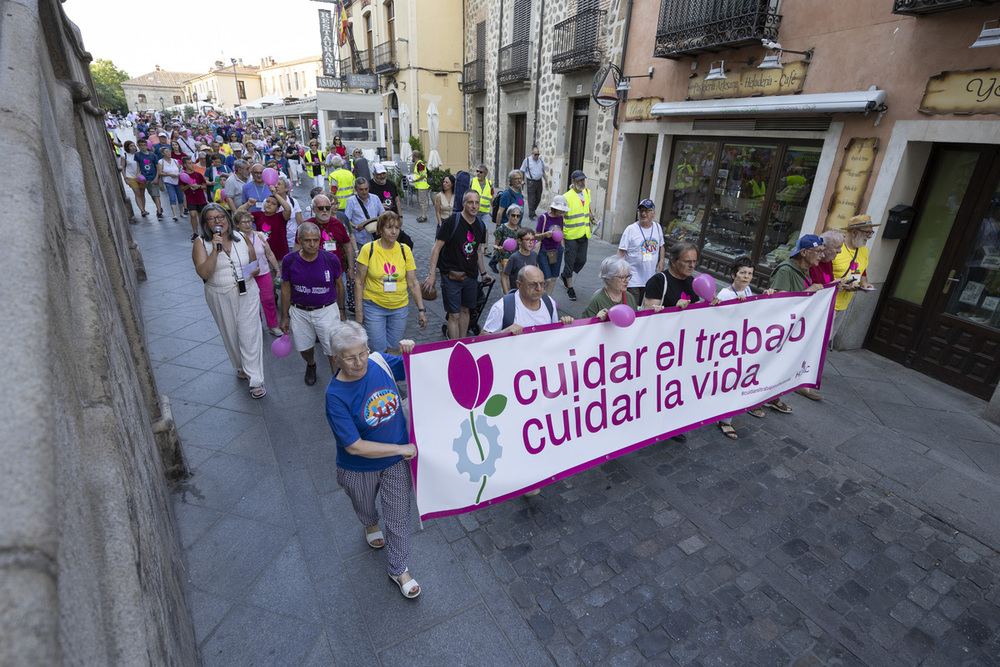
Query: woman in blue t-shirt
x=366 y=414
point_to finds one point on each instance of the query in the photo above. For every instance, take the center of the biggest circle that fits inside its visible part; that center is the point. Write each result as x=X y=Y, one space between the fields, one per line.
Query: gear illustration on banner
x=489 y=435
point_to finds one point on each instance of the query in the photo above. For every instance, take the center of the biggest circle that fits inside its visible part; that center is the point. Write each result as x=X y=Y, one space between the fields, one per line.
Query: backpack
x=496 y=206
x=509 y=307
x=454 y=227
x=463 y=181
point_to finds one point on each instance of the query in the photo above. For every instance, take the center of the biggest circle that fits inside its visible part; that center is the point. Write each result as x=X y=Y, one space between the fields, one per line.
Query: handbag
x=552 y=256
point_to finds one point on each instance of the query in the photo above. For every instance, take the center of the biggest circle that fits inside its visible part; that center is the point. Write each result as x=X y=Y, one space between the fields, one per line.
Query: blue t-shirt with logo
x=146 y=164
x=367 y=409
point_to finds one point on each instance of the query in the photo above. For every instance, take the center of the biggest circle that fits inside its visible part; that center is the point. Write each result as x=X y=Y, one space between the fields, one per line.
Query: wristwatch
x=421 y=310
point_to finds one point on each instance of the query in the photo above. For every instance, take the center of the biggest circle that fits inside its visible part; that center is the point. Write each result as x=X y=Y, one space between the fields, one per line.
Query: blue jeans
x=175 y=193
x=385 y=326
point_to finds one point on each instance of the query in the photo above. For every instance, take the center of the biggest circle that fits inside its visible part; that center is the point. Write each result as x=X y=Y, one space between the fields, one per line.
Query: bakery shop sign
x=749 y=82
x=973 y=92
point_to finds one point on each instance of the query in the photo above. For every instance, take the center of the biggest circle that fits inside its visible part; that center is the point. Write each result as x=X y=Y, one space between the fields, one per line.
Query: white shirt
x=728 y=293
x=522 y=315
x=642 y=250
x=533 y=169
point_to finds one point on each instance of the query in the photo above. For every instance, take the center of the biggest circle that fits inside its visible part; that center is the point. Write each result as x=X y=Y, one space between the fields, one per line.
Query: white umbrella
x=404 y=131
x=433 y=160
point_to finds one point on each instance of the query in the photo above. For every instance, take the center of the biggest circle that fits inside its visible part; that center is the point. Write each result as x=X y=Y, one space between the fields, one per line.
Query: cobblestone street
x=860 y=530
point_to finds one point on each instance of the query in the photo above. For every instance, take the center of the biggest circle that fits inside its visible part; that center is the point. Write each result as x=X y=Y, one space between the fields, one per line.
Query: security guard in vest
x=341 y=185
x=482 y=185
x=314 y=160
x=577 y=227
x=421 y=185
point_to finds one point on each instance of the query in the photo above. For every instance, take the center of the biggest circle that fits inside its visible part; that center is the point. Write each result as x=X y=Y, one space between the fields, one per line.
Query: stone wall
x=89 y=559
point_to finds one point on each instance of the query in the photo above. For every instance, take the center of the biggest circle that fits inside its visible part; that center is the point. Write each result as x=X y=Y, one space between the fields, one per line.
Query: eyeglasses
x=214 y=218
x=480 y=171
x=534 y=285
x=687 y=262
x=868 y=233
x=356 y=358
x=322 y=208
x=627 y=276
x=513 y=215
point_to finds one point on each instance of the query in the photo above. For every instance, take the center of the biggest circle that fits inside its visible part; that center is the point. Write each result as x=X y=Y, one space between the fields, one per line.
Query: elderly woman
x=385 y=272
x=615 y=272
x=366 y=414
x=508 y=230
x=512 y=195
x=225 y=259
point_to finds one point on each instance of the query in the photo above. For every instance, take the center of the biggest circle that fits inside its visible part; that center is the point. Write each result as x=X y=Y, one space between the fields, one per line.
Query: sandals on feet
x=728 y=431
x=241 y=375
x=777 y=404
x=372 y=538
x=409 y=589
x=756 y=412
x=258 y=392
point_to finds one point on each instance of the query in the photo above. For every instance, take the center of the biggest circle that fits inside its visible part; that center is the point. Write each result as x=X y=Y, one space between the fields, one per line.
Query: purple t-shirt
x=544 y=224
x=313 y=283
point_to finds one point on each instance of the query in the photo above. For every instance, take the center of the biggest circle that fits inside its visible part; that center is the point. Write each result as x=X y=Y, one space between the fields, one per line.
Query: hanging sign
x=852 y=182
x=750 y=81
x=963 y=93
x=326 y=39
x=605 y=87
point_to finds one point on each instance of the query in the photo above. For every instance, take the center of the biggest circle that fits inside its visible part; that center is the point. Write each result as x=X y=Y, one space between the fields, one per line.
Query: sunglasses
x=323 y=208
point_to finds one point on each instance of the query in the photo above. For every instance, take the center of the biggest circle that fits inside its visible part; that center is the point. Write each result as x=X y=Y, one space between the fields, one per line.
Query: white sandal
x=406 y=588
x=371 y=537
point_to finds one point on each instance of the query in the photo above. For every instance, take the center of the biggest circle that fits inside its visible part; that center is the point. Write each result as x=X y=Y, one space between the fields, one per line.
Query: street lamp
x=236 y=79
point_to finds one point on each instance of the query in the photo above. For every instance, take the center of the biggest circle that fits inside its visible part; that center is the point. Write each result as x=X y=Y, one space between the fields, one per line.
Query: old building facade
x=226 y=85
x=855 y=107
x=156 y=90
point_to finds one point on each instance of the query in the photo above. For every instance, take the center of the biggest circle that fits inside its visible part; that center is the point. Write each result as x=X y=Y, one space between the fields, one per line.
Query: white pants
x=319 y=182
x=308 y=325
x=238 y=319
x=294 y=169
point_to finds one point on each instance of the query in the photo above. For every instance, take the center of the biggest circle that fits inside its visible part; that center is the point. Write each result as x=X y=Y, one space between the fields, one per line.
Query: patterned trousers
x=393 y=486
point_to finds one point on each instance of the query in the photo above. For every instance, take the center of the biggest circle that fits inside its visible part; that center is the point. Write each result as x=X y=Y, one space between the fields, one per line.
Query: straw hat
x=860 y=221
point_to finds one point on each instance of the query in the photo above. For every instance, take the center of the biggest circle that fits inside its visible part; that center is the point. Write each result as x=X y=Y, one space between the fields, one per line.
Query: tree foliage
x=107 y=81
x=189 y=111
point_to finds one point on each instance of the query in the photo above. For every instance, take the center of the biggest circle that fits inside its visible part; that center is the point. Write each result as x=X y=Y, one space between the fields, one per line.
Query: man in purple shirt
x=311 y=283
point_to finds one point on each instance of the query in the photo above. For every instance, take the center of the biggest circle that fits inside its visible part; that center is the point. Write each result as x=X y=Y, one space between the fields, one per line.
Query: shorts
x=196 y=207
x=135 y=184
x=308 y=325
x=153 y=189
x=549 y=270
x=424 y=197
x=458 y=295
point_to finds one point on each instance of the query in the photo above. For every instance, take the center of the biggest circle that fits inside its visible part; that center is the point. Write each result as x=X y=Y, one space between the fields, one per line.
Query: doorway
x=577 y=137
x=518 y=150
x=940 y=310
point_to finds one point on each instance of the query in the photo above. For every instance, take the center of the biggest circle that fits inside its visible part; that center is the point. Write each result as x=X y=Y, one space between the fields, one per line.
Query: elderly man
x=642 y=245
x=235 y=183
x=311 y=282
x=484 y=188
x=236 y=153
x=526 y=306
x=256 y=189
x=384 y=189
x=341 y=185
x=459 y=247
x=577 y=228
x=334 y=235
x=364 y=207
x=534 y=170
x=851 y=266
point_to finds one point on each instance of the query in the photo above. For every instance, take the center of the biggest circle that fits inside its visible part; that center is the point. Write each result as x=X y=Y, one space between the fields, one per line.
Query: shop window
x=738 y=197
x=351 y=126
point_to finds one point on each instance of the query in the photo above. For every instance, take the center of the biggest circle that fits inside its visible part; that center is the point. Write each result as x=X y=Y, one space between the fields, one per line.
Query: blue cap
x=577 y=175
x=647 y=203
x=806 y=242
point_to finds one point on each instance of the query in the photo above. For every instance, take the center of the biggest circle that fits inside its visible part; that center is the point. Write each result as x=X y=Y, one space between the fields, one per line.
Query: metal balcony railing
x=575 y=43
x=923 y=7
x=689 y=28
x=350 y=65
x=385 y=58
x=474 y=77
x=515 y=62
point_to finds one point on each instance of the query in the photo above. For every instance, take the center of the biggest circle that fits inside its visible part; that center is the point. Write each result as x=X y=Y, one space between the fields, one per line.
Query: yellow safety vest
x=345 y=186
x=485 y=194
x=310 y=166
x=114 y=146
x=576 y=221
x=420 y=185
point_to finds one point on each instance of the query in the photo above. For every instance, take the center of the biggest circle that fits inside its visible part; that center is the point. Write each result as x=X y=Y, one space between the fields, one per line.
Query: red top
x=333 y=231
x=822 y=273
x=195 y=196
x=274 y=226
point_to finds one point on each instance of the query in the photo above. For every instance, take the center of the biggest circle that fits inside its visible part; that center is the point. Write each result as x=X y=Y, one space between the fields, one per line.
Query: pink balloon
x=557 y=234
x=184 y=178
x=140 y=178
x=270 y=176
x=281 y=347
x=189 y=133
x=510 y=245
x=621 y=315
x=142 y=135
x=704 y=286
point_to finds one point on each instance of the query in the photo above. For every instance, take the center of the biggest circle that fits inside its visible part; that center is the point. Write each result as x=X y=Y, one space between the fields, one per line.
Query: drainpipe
x=621 y=61
x=538 y=73
x=496 y=145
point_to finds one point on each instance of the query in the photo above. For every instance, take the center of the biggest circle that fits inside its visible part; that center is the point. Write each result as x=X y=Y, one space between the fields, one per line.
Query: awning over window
x=853 y=102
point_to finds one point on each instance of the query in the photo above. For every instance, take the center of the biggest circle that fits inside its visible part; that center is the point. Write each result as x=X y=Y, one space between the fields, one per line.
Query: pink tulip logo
x=471 y=381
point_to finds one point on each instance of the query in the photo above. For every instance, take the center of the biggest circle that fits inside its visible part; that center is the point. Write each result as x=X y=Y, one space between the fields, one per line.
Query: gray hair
x=306 y=227
x=513 y=173
x=287 y=182
x=360 y=180
x=318 y=196
x=240 y=164
x=337 y=161
x=207 y=232
x=612 y=267
x=486 y=170
x=347 y=335
x=832 y=237
x=513 y=208
x=470 y=193
x=675 y=251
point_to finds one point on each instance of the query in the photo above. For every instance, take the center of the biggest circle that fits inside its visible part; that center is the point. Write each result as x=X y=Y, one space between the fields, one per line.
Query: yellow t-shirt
x=842 y=264
x=385 y=282
x=226 y=150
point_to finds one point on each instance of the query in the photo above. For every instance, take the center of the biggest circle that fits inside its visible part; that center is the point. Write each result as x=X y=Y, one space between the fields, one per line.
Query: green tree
x=189 y=111
x=107 y=80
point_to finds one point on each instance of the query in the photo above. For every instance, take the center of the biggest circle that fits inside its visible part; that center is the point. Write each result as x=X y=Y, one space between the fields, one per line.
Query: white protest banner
x=495 y=417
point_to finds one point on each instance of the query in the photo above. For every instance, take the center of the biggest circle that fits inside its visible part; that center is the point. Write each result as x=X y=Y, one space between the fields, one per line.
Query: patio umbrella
x=433 y=160
x=404 y=131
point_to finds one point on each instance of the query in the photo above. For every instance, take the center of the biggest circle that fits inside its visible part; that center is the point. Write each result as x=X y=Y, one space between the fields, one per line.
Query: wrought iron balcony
x=474 y=77
x=385 y=58
x=356 y=65
x=688 y=28
x=575 y=44
x=515 y=63
x=924 y=7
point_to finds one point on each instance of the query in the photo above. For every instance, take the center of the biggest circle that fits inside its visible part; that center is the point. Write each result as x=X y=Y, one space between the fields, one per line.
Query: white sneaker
x=276 y=332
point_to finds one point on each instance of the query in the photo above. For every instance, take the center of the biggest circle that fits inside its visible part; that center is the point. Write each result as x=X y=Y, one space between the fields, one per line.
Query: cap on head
x=378 y=168
x=578 y=175
x=647 y=203
x=806 y=242
x=559 y=203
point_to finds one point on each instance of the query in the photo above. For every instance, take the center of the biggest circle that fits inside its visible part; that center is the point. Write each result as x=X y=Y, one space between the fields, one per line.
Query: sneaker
x=680 y=437
x=571 y=294
x=565 y=282
x=310 y=378
x=159 y=215
x=276 y=332
x=194 y=236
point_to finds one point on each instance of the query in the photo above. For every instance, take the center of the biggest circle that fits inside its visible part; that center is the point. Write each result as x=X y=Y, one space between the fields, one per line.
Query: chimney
x=157 y=68
x=218 y=63
x=240 y=61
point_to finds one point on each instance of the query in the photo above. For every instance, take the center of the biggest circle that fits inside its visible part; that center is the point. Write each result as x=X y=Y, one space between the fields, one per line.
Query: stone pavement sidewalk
x=857 y=530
